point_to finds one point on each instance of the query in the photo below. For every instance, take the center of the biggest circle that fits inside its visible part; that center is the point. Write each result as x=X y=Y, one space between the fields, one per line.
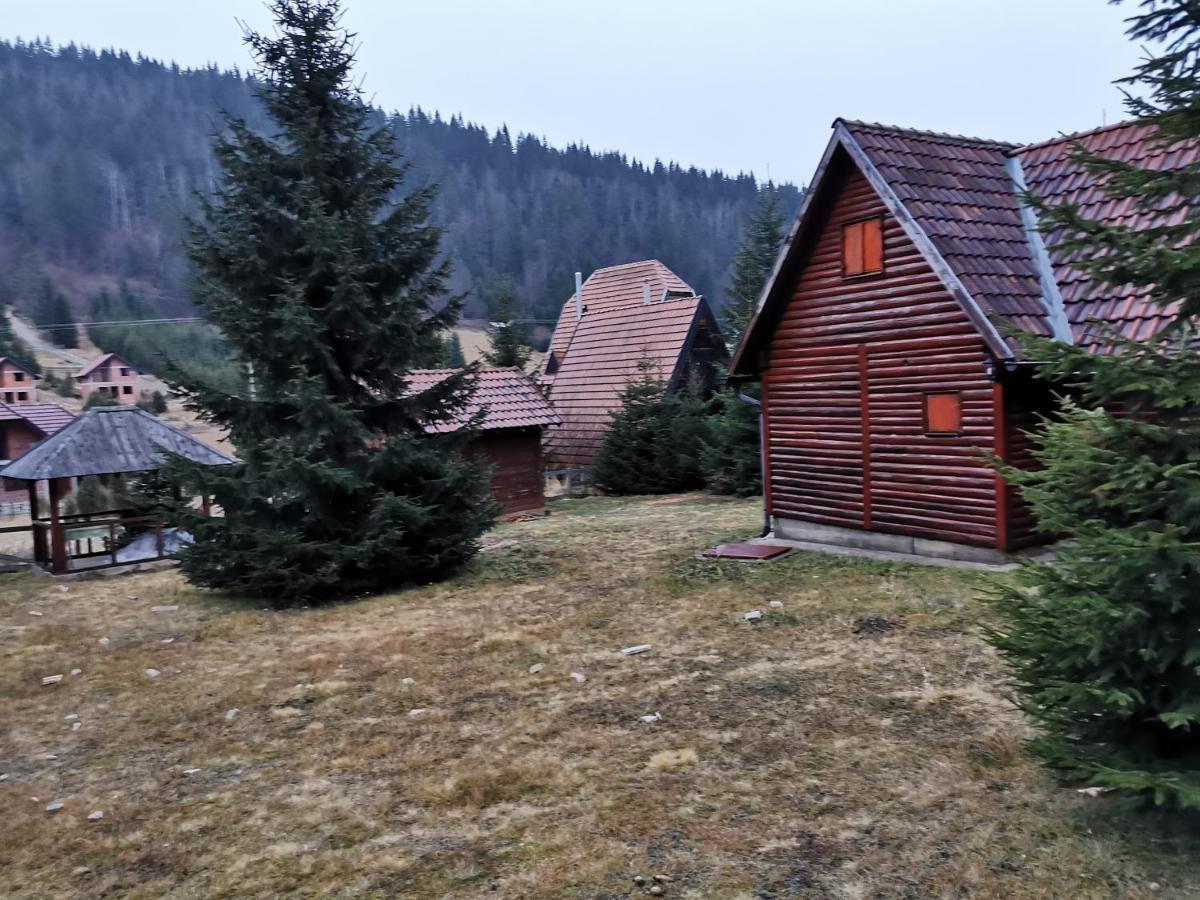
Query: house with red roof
x=111 y=376
x=21 y=426
x=512 y=415
x=620 y=322
x=17 y=383
x=883 y=338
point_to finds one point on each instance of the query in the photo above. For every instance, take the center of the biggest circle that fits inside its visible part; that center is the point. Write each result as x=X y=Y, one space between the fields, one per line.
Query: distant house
x=888 y=376
x=515 y=414
x=624 y=319
x=17 y=384
x=112 y=376
x=21 y=426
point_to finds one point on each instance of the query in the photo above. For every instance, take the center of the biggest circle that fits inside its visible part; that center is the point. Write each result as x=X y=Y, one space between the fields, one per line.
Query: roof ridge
x=922 y=132
x=1076 y=135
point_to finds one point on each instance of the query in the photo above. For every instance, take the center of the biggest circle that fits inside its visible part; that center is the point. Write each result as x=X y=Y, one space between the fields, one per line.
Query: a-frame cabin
x=890 y=376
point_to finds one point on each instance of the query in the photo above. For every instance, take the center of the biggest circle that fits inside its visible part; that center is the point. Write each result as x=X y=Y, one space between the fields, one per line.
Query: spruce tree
x=1104 y=641
x=507 y=349
x=730 y=454
x=762 y=236
x=327 y=287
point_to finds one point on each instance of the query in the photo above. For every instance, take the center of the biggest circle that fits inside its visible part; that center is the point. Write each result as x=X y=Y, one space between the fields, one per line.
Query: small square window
x=124 y=371
x=22 y=395
x=127 y=389
x=18 y=376
x=862 y=248
x=943 y=413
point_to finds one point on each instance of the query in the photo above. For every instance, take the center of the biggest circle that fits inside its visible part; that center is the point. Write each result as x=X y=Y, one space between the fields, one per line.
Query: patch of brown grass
x=793 y=757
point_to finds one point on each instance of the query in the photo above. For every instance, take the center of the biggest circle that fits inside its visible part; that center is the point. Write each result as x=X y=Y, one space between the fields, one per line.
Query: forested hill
x=101 y=155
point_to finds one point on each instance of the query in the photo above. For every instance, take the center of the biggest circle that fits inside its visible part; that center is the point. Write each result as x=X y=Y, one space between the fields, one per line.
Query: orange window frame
x=862 y=247
x=943 y=412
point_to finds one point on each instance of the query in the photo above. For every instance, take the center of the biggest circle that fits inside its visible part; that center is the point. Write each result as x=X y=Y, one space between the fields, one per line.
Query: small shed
x=103 y=441
x=515 y=414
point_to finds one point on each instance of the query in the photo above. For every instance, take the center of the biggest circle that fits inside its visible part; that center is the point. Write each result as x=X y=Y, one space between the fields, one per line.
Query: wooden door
x=819 y=446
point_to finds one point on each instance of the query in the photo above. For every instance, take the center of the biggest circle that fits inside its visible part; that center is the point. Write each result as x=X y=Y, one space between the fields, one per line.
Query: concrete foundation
x=881 y=542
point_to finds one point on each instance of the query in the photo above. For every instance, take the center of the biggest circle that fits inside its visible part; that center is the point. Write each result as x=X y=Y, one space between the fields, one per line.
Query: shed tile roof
x=1053 y=175
x=108 y=440
x=507 y=398
x=45 y=417
x=612 y=287
x=606 y=352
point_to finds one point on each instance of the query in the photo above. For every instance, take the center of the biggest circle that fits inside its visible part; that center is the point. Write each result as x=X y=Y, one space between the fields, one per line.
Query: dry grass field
x=408 y=746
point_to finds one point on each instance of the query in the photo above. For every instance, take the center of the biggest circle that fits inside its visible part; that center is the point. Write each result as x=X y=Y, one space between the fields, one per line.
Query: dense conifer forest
x=102 y=153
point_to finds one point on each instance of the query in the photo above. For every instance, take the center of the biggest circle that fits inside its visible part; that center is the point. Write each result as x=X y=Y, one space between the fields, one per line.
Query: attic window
x=18 y=376
x=943 y=413
x=862 y=247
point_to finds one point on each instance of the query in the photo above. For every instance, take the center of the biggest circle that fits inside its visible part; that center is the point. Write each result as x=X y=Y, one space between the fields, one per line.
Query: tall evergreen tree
x=507 y=348
x=52 y=312
x=328 y=288
x=762 y=236
x=1104 y=642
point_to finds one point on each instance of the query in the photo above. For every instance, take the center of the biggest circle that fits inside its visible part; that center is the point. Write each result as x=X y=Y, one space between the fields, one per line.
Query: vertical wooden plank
x=41 y=553
x=852 y=249
x=766 y=442
x=864 y=395
x=1000 y=450
x=58 y=534
x=872 y=245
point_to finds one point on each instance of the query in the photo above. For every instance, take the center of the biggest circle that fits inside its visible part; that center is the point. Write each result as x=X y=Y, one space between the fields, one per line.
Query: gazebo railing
x=96 y=535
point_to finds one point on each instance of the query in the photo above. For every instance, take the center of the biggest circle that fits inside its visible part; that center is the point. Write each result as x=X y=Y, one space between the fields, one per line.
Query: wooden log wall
x=848 y=366
x=515 y=455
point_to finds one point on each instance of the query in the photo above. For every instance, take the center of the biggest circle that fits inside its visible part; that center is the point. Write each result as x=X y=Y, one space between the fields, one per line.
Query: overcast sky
x=740 y=85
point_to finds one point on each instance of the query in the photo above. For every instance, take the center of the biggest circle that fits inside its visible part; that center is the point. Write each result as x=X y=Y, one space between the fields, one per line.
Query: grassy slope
x=793 y=759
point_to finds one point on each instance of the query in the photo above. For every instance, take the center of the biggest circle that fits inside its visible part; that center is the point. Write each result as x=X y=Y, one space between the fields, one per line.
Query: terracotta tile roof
x=507 y=398
x=612 y=287
x=606 y=352
x=95 y=364
x=1053 y=175
x=960 y=192
x=45 y=417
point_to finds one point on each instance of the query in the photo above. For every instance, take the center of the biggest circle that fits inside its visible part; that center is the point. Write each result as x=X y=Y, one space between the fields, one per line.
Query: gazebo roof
x=107 y=440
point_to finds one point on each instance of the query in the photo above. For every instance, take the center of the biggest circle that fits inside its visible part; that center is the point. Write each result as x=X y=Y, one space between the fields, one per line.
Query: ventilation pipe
x=646 y=293
x=578 y=295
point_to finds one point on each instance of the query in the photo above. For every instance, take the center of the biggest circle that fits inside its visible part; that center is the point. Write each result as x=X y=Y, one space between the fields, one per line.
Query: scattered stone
x=50 y=756
x=55 y=806
x=578 y=677
x=639 y=880
x=652 y=718
x=753 y=616
x=80 y=870
x=63 y=588
x=231 y=714
x=663 y=879
x=874 y=624
x=408 y=682
x=95 y=815
x=416 y=713
x=34 y=612
x=1154 y=886
x=656 y=890
x=3 y=776
x=104 y=642
x=1093 y=791
x=75 y=726
x=152 y=673
x=133 y=596
x=71 y=717
x=776 y=604
x=535 y=668
x=635 y=650
x=52 y=679
x=77 y=671
x=170 y=608
x=168 y=640
x=191 y=771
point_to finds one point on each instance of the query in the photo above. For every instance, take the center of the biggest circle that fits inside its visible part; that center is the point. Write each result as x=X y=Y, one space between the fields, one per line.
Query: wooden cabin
x=112 y=376
x=621 y=320
x=889 y=377
x=514 y=417
x=17 y=383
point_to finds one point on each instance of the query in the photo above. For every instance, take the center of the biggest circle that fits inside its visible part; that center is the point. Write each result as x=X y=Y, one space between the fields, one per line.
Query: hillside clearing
x=802 y=756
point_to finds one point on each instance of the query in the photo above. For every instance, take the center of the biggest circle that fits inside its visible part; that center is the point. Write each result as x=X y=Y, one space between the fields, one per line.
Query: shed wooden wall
x=515 y=455
x=847 y=367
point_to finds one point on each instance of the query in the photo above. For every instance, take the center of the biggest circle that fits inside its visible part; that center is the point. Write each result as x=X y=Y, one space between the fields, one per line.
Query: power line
x=181 y=320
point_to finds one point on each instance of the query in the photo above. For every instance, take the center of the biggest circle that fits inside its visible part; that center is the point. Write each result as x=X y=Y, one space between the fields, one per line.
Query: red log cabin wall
x=515 y=455
x=849 y=366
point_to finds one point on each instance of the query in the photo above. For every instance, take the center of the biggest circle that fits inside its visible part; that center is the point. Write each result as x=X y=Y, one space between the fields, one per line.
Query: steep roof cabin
x=514 y=416
x=622 y=319
x=887 y=371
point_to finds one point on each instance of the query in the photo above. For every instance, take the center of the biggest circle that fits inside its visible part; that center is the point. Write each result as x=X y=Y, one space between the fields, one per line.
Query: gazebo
x=103 y=441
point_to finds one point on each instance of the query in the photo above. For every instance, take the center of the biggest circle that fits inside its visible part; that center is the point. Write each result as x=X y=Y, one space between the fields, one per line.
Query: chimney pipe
x=646 y=292
x=578 y=295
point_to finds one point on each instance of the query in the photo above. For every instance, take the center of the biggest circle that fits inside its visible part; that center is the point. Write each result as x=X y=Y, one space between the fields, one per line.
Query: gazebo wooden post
x=206 y=504
x=40 y=551
x=58 y=534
